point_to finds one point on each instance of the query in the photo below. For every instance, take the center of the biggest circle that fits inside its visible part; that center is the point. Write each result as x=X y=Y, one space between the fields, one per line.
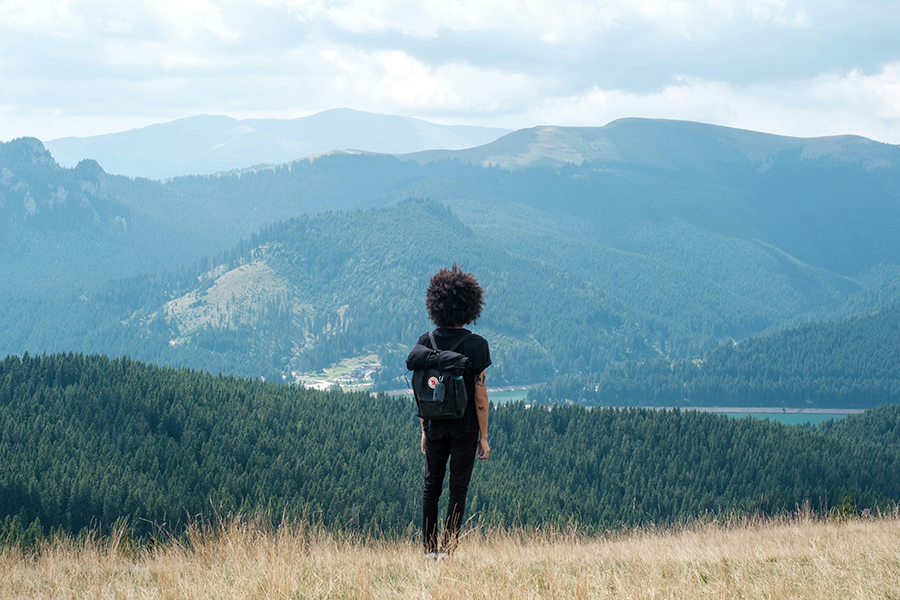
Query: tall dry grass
x=799 y=557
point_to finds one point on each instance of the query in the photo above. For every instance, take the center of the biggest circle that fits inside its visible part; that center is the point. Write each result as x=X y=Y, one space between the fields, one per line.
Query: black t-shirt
x=476 y=348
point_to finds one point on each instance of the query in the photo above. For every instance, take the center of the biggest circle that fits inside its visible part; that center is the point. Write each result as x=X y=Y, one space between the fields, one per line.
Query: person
x=454 y=299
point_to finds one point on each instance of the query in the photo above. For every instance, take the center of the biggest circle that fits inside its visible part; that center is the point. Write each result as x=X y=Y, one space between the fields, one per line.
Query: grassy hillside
x=797 y=558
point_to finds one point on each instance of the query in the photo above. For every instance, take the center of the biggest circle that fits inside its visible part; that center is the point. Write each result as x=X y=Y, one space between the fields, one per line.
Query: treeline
x=850 y=363
x=86 y=442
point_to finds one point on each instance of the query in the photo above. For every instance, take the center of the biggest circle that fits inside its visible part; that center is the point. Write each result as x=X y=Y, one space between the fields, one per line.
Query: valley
x=224 y=225
x=662 y=240
x=350 y=374
x=643 y=265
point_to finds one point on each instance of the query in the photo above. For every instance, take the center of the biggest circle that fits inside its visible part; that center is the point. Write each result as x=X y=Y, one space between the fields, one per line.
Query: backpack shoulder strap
x=433 y=343
x=460 y=341
x=451 y=348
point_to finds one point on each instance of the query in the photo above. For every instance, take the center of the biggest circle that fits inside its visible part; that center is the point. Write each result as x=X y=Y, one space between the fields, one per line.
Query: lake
x=503 y=396
x=500 y=396
x=788 y=418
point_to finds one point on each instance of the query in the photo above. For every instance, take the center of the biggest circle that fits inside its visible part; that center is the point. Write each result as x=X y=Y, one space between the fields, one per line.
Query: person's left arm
x=422 y=423
x=482 y=405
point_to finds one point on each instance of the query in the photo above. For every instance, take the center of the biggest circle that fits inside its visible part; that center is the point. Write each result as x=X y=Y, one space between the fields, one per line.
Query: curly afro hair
x=454 y=298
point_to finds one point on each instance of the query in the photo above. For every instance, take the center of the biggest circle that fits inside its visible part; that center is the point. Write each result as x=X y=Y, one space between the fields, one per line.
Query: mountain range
x=653 y=240
x=209 y=144
x=662 y=144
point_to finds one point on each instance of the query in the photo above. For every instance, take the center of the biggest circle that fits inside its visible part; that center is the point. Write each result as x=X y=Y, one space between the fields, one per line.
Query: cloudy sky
x=805 y=67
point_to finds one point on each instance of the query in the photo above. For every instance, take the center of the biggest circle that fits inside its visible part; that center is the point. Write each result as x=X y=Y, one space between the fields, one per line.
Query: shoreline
x=512 y=388
x=766 y=410
x=772 y=410
x=491 y=390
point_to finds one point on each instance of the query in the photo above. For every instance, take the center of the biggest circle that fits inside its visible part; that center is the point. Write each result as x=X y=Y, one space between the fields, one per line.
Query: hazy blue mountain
x=662 y=144
x=641 y=180
x=691 y=195
x=209 y=144
x=36 y=190
x=64 y=229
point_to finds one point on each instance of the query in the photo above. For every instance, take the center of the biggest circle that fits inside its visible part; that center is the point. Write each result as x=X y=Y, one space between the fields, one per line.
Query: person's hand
x=483 y=449
x=423 y=442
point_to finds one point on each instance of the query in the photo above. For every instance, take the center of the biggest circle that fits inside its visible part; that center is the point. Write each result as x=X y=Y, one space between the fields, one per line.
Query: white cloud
x=392 y=80
x=776 y=11
x=159 y=55
x=188 y=16
x=548 y=20
x=830 y=104
x=66 y=18
x=554 y=21
x=118 y=25
x=798 y=67
x=46 y=17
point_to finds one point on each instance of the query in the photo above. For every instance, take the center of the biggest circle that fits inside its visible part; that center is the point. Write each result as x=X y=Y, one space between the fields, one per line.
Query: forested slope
x=683 y=238
x=849 y=363
x=301 y=295
x=85 y=441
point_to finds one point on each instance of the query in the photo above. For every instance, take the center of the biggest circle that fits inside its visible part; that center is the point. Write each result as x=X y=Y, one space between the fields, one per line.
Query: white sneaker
x=432 y=556
x=442 y=556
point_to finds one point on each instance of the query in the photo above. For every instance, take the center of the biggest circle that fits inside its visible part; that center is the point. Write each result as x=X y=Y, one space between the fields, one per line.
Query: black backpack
x=437 y=380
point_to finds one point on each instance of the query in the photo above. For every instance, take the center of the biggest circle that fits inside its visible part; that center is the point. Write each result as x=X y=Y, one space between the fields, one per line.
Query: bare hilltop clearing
x=799 y=557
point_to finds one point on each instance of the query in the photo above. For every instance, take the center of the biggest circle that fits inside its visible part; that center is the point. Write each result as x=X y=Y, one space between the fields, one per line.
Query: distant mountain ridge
x=660 y=143
x=208 y=144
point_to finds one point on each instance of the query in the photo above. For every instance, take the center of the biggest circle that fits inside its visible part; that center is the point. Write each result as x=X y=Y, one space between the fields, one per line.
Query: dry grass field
x=789 y=558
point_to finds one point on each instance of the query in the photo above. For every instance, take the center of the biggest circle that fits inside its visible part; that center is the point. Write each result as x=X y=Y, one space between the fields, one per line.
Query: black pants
x=442 y=443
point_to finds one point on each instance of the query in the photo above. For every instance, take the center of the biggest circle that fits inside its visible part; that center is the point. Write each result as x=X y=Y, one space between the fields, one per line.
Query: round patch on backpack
x=432 y=381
